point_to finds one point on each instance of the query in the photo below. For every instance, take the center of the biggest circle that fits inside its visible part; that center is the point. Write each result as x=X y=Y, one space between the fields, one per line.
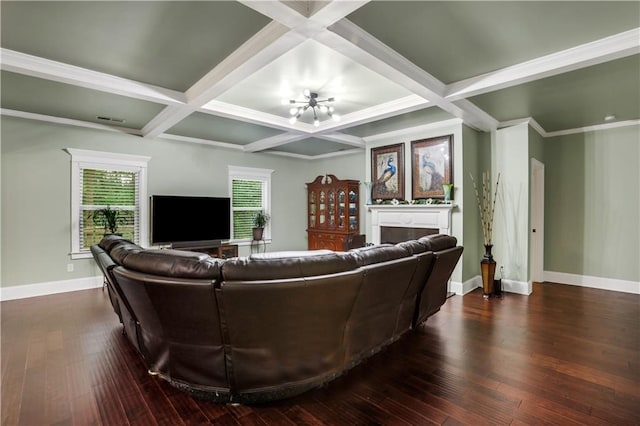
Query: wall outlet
x=69 y=267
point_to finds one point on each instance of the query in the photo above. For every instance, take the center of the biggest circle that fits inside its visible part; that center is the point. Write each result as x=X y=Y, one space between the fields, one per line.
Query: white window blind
x=118 y=190
x=250 y=190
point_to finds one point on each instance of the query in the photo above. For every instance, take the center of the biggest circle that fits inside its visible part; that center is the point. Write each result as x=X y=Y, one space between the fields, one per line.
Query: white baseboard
x=463 y=288
x=518 y=287
x=593 y=282
x=46 y=288
x=471 y=284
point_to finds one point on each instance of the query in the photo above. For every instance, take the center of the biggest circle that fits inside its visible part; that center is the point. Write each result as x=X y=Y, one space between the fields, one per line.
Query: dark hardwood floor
x=564 y=355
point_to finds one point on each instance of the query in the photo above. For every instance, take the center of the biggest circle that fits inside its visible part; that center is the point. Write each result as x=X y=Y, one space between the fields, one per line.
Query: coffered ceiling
x=217 y=72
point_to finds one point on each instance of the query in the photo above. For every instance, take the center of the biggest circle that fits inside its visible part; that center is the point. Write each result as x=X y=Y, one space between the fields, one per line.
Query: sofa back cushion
x=380 y=253
x=288 y=264
x=438 y=242
x=173 y=263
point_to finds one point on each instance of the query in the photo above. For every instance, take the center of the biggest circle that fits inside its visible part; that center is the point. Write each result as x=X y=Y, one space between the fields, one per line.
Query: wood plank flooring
x=564 y=355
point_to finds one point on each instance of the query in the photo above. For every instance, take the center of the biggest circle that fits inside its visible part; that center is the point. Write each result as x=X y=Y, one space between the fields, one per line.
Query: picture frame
x=387 y=172
x=431 y=166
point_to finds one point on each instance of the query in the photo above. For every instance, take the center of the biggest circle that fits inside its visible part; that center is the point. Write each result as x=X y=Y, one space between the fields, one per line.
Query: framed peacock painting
x=387 y=172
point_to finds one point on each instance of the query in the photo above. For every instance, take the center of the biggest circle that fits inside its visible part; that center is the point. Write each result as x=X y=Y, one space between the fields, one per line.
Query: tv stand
x=214 y=248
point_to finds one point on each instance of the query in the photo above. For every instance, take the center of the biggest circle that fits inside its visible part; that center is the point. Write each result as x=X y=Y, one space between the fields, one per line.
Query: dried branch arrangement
x=486 y=205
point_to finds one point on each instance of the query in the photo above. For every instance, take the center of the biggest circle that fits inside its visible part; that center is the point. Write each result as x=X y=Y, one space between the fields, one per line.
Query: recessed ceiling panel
x=30 y=94
x=170 y=44
x=571 y=100
x=454 y=40
x=313 y=147
x=404 y=121
x=210 y=127
x=322 y=70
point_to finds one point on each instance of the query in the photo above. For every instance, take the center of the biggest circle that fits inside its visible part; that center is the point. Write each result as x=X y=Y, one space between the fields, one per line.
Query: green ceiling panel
x=404 y=121
x=210 y=127
x=169 y=44
x=30 y=94
x=313 y=147
x=454 y=40
x=571 y=100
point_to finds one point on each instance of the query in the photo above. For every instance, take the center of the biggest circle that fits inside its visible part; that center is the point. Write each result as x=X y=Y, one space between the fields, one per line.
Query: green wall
x=592 y=204
x=476 y=159
x=36 y=179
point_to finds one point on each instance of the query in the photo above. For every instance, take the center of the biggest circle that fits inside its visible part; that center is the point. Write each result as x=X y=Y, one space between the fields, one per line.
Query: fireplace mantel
x=434 y=216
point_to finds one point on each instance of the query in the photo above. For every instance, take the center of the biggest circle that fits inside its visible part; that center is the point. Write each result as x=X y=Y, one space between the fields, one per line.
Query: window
x=103 y=179
x=250 y=191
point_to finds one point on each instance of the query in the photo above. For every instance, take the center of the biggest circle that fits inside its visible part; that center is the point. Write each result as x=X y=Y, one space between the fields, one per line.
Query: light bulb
x=293 y=111
x=335 y=117
x=306 y=92
x=331 y=109
x=316 y=122
x=293 y=120
x=323 y=108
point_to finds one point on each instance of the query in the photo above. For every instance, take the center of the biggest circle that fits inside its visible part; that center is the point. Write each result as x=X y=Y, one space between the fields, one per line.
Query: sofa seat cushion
x=173 y=263
x=287 y=264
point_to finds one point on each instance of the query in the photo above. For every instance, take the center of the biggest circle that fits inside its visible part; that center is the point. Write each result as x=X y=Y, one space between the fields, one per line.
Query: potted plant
x=260 y=220
x=487 y=206
x=109 y=219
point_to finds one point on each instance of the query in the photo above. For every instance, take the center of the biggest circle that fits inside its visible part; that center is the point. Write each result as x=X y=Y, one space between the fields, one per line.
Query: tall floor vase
x=488 y=268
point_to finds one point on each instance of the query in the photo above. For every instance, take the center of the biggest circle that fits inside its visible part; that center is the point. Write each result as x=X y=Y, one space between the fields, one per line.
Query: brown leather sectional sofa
x=270 y=326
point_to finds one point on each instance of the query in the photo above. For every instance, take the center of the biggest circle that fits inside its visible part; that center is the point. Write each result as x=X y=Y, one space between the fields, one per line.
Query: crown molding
x=68 y=121
x=604 y=126
x=614 y=47
x=47 y=69
x=542 y=132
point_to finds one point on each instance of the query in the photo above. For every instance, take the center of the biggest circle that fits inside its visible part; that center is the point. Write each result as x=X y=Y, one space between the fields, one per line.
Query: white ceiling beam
x=266 y=45
x=277 y=11
x=353 y=41
x=273 y=141
x=47 y=69
x=236 y=112
x=200 y=141
x=343 y=138
x=585 y=55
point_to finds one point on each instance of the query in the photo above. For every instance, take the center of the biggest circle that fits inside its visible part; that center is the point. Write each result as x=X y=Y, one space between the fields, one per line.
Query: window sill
x=247 y=243
x=81 y=255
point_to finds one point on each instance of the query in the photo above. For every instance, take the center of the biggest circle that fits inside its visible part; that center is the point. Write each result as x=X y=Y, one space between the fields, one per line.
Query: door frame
x=536 y=241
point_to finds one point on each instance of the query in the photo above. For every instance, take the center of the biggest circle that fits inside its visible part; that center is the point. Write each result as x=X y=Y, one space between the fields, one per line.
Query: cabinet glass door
x=322 y=208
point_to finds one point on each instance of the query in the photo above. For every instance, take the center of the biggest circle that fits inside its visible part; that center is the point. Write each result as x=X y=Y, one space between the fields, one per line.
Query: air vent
x=111 y=119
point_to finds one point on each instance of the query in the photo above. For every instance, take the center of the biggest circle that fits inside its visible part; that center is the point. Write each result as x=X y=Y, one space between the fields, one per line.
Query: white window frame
x=86 y=159
x=252 y=173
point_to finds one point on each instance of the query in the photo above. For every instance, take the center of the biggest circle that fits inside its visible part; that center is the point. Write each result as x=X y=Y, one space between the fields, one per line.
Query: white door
x=537 y=221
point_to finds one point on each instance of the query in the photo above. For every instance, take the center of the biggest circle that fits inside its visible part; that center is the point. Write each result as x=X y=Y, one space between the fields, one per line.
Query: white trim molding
x=601 y=283
x=81 y=159
x=50 y=287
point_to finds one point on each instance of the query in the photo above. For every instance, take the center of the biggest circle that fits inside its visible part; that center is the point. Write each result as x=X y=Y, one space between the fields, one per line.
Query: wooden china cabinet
x=333 y=212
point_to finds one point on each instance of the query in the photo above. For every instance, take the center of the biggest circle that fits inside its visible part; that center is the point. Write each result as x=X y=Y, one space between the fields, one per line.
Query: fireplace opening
x=397 y=234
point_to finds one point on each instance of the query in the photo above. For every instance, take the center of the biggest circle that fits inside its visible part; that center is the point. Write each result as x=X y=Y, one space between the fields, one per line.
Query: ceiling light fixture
x=312 y=102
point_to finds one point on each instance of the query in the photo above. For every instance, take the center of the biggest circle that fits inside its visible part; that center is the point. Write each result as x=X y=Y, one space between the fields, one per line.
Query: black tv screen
x=176 y=219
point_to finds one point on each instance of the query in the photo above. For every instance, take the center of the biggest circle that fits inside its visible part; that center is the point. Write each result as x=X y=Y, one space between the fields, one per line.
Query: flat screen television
x=186 y=220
